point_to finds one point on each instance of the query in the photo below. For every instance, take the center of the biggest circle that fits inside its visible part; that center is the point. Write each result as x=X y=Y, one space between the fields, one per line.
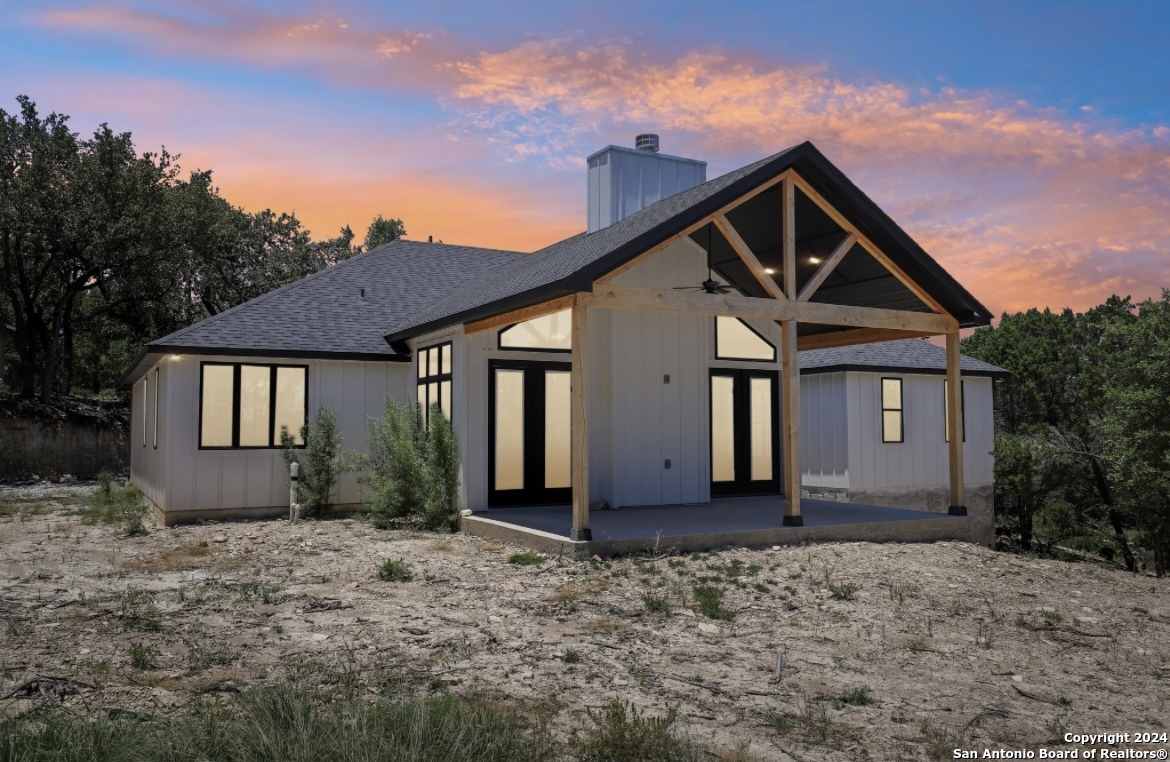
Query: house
x=652 y=360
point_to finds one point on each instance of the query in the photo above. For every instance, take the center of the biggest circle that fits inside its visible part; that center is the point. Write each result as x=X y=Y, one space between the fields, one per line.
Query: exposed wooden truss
x=856 y=336
x=826 y=268
x=745 y=253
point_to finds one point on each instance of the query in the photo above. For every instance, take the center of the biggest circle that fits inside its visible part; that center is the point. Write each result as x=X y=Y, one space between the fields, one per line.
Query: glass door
x=528 y=433
x=745 y=436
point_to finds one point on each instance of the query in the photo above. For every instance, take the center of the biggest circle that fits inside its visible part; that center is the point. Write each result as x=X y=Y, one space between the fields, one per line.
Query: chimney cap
x=647 y=141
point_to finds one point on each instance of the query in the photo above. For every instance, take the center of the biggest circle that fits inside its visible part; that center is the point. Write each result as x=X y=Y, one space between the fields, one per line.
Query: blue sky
x=1026 y=145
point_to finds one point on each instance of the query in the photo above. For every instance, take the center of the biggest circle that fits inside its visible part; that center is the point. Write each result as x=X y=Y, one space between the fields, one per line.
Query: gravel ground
x=885 y=651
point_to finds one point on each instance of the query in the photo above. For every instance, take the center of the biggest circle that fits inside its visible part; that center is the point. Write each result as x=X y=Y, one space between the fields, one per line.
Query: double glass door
x=529 y=440
x=745 y=437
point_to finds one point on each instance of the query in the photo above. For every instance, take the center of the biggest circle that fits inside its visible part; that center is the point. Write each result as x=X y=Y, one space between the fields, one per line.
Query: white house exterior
x=658 y=340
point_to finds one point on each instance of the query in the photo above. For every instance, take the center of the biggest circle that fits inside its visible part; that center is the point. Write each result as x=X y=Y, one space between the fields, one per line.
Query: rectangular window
x=434 y=381
x=145 y=392
x=962 y=411
x=243 y=405
x=892 y=410
x=156 y=408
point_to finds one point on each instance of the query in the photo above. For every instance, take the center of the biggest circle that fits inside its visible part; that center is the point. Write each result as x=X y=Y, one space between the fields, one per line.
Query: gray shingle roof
x=324 y=314
x=902 y=355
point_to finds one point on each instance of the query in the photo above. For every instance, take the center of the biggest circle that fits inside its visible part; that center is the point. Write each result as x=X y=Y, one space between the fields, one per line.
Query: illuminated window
x=434 y=381
x=156 y=408
x=892 y=410
x=248 y=406
x=547 y=333
x=736 y=340
x=947 y=411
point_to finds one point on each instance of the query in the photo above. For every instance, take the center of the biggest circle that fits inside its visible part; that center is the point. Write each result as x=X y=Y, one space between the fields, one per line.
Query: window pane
x=145 y=393
x=892 y=426
x=891 y=394
x=445 y=398
x=422 y=363
x=722 y=429
x=761 y=415
x=545 y=332
x=290 y=403
x=254 y=388
x=557 y=438
x=445 y=365
x=423 y=404
x=735 y=341
x=509 y=442
x=432 y=362
x=156 y=407
x=218 y=383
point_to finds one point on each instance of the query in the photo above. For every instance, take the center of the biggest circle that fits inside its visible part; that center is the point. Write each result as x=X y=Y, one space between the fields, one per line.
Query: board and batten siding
x=824 y=432
x=233 y=479
x=922 y=459
x=148 y=464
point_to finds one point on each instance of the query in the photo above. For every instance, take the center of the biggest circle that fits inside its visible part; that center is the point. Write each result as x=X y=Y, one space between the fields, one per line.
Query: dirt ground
x=886 y=651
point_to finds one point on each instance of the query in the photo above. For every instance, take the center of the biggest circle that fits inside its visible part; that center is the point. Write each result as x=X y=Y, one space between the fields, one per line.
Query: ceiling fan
x=710 y=286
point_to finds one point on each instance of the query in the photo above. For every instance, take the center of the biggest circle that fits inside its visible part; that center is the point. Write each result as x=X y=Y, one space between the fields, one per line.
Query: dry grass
x=190 y=556
x=573 y=591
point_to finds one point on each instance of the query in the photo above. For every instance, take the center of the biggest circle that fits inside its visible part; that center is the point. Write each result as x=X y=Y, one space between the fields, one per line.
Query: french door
x=529 y=436
x=745 y=436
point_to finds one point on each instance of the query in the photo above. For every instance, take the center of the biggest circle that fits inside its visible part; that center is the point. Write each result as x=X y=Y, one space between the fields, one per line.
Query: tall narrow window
x=243 y=405
x=145 y=392
x=156 y=387
x=434 y=381
x=736 y=340
x=892 y=429
x=962 y=411
x=547 y=333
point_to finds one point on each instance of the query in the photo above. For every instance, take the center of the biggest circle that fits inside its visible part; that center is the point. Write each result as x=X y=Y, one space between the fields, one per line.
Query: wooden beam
x=520 y=315
x=854 y=337
x=790 y=405
x=745 y=253
x=788 y=196
x=734 y=305
x=826 y=268
x=869 y=246
x=609 y=276
x=579 y=422
x=955 y=424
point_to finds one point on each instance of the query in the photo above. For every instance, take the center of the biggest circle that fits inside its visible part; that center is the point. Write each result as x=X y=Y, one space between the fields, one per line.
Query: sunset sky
x=1026 y=146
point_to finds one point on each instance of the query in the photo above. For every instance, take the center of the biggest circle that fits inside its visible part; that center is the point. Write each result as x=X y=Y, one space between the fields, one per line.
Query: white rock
x=708 y=629
x=1017 y=678
x=319 y=636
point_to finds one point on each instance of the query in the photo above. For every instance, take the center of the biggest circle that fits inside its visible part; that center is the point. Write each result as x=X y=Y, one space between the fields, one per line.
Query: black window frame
x=500 y=336
x=155 y=426
x=900 y=410
x=745 y=324
x=274 y=442
x=425 y=381
x=962 y=409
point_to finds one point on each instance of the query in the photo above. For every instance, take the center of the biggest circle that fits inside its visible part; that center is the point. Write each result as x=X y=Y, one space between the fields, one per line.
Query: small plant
x=321 y=462
x=624 y=734
x=783 y=724
x=527 y=558
x=843 y=592
x=856 y=697
x=1052 y=616
x=940 y=742
x=656 y=604
x=572 y=656
x=143 y=657
x=139 y=611
x=710 y=600
x=105 y=483
x=394 y=571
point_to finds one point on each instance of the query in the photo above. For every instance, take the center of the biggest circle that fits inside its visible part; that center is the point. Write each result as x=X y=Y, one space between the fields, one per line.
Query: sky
x=1026 y=146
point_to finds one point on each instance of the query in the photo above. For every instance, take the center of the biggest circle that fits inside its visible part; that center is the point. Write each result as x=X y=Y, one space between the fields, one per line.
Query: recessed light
x=769 y=270
x=815 y=260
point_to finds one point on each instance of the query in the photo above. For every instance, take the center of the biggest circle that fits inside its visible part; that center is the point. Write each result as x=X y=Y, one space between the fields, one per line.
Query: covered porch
x=740 y=521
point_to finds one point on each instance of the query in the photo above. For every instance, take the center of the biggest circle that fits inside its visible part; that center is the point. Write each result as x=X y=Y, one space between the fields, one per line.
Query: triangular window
x=736 y=340
x=547 y=333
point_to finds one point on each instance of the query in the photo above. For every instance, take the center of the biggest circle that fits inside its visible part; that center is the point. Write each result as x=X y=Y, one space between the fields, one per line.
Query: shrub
x=527 y=558
x=843 y=592
x=321 y=462
x=112 y=504
x=394 y=571
x=413 y=472
x=710 y=600
x=143 y=657
x=624 y=734
x=656 y=604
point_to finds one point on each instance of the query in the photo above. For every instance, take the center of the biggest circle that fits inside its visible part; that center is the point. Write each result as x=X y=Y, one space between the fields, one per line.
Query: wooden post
x=579 y=421
x=791 y=360
x=790 y=404
x=955 y=425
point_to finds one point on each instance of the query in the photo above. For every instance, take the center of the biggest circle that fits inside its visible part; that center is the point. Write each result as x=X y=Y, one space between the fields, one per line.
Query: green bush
x=710 y=600
x=624 y=734
x=321 y=462
x=394 y=571
x=413 y=472
x=527 y=558
x=112 y=504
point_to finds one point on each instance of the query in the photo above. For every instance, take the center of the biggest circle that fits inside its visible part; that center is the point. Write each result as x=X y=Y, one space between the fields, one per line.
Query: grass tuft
x=710 y=600
x=527 y=558
x=394 y=571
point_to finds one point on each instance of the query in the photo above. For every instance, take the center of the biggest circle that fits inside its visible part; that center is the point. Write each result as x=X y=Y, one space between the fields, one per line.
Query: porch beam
x=609 y=276
x=826 y=268
x=520 y=315
x=788 y=200
x=958 y=505
x=745 y=253
x=868 y=245
x=734 y=305
x=790 y=410
x=854 y=337
x=579 y=421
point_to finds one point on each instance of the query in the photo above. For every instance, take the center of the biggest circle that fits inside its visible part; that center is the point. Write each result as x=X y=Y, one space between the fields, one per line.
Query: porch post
x=579 y=421
x=955 y=424
x=791 y=359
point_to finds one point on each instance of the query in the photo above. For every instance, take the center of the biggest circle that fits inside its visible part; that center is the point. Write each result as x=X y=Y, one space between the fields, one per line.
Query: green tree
x=321 y=462
x=384 y=231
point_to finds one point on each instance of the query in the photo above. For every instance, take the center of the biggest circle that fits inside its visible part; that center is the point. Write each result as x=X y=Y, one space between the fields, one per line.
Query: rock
x=596 y=559
x=319 y=636
x=1017 y=678
x=351 y=587
x=708 y=629
x=1087 y=620
x=219 y=538
x=775 y=547
x=687 y=612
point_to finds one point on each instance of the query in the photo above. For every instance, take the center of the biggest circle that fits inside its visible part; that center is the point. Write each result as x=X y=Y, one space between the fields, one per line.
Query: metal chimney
x=647 y=141
x=625 y=180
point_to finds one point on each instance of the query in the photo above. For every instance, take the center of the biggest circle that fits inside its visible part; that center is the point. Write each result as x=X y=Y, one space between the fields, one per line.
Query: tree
x=384 y=231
